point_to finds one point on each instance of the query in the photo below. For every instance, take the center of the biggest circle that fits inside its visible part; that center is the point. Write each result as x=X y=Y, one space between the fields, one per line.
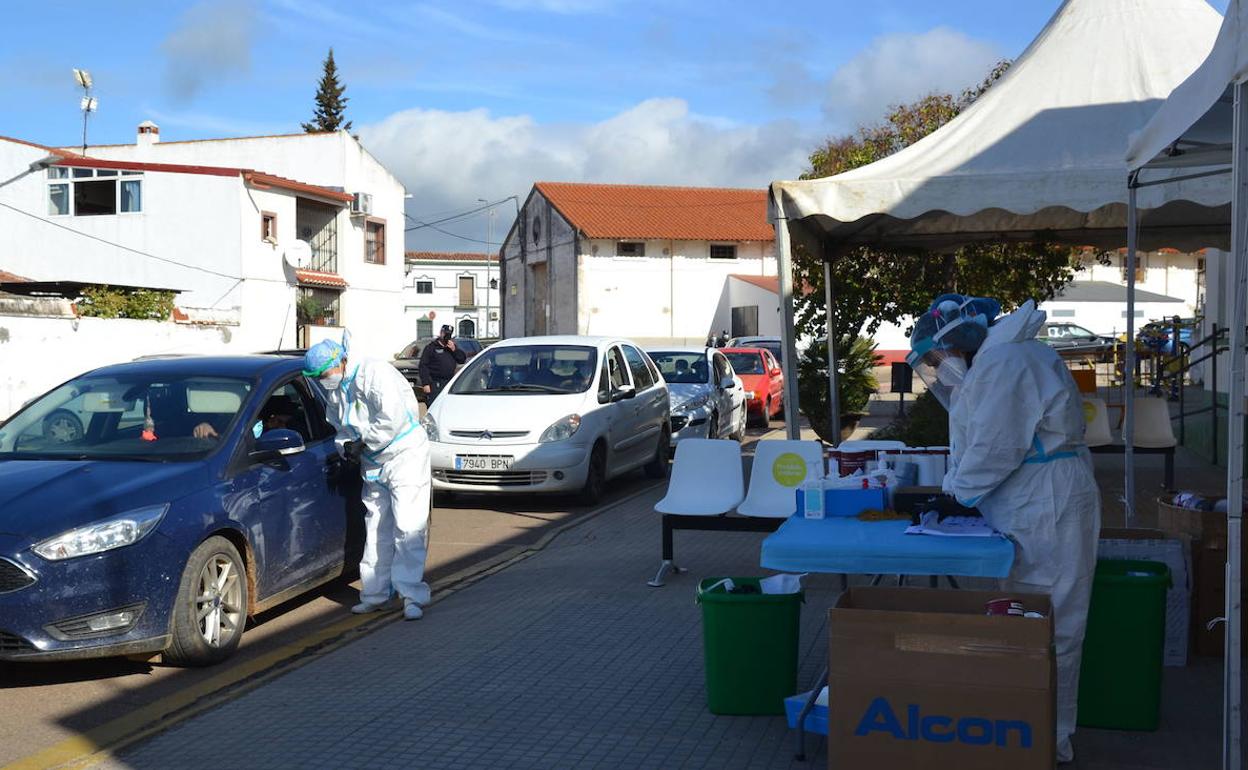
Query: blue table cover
x=854 y=547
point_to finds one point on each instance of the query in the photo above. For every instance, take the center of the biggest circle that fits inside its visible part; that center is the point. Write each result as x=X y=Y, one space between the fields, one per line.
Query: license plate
x=482 y=463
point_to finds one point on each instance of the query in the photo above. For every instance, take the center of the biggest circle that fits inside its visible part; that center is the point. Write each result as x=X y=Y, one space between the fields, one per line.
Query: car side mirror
x=276 y=444
x=727 y=383
x=623 y=393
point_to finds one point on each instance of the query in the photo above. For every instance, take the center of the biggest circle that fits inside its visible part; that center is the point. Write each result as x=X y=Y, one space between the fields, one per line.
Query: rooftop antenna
x=88 y=102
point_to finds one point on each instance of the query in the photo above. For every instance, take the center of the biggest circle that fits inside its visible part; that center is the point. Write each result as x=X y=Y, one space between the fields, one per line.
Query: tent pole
x=1232 y=749
x=834 y=393
x=784 y=268
x=1128 y=374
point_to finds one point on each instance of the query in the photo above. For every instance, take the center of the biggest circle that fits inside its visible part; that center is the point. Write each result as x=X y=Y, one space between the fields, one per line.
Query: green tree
x=331 y=105
x=872 y=286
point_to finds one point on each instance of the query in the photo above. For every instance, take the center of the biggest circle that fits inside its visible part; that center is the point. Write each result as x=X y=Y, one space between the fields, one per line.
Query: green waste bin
x=750 y=641
x=1120 y=677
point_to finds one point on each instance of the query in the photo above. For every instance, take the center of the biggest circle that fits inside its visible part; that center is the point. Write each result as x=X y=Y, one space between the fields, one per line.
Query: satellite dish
x=298 y=254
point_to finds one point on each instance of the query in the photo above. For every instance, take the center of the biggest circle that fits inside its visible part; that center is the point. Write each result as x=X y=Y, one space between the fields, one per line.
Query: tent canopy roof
x=1039 y=155
x=1193 y=128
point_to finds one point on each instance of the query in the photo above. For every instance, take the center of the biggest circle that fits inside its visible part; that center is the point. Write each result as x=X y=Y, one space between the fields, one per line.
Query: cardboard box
x=1209 y=600
x=1195 y=524
x=923 y=678
x=1175 y=551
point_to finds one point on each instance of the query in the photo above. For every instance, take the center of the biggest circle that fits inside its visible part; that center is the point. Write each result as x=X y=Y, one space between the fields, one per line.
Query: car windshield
x=529 y=369
x=746 y=363
x=677 y=368
x=126 y=417
x=412 y=350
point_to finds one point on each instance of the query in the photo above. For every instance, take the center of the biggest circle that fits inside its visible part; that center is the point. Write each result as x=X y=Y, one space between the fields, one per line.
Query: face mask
x=951 y=372
x=331 y=381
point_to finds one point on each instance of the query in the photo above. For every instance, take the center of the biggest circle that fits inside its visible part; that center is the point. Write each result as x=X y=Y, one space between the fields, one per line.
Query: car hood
x=681 y=393
x=756 y=382
x=42 y=498
x=528 y=414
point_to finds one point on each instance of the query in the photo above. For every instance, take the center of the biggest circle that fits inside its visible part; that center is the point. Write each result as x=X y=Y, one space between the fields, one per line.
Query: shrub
x=926 y=423
x=112 y=302
x=855 y=383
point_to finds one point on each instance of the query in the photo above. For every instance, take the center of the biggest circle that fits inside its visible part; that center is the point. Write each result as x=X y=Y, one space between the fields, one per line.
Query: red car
x=763 y=380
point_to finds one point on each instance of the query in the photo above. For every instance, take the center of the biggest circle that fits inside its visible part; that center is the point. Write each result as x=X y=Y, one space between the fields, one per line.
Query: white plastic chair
x=706 y=482
x=1152 y=424
x=706 y=479
x=770 y=497
x=1096 y=417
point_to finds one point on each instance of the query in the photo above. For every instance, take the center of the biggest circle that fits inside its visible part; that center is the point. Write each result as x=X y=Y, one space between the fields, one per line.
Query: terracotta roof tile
x=448 y=256
x=318 y=278
x=7 y=277
x=673 y=213
x=769 y=282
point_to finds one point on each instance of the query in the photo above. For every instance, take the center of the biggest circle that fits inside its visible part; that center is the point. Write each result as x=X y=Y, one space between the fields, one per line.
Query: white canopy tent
x=1037 y=157
x=1195 y=149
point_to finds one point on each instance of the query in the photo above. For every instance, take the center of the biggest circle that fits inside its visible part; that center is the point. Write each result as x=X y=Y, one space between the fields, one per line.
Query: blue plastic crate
x=846 y=502
x=816 y=720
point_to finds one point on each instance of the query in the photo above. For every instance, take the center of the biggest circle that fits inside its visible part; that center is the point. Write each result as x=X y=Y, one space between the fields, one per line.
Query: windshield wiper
x=530 y=387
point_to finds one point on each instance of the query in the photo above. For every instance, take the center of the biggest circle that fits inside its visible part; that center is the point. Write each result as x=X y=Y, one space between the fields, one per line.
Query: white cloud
x=447 y=160
x=212 y=42
x=896 y=69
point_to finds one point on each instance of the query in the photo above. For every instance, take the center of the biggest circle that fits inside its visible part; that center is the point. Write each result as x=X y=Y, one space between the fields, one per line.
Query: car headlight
x=115 y=532
x=561 y=429
x=430 y=425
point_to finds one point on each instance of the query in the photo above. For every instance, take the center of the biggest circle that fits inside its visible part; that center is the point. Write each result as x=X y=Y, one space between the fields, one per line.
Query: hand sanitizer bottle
x=812 y=494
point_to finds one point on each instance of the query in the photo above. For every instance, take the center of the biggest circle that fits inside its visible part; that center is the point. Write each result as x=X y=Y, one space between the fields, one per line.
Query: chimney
x=149 y=134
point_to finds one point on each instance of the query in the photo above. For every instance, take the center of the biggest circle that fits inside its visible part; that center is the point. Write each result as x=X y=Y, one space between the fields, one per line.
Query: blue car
x=199 y=492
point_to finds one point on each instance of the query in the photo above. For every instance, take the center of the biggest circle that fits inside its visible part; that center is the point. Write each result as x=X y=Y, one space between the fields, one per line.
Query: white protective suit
x=376 y=405
x=1016 y=452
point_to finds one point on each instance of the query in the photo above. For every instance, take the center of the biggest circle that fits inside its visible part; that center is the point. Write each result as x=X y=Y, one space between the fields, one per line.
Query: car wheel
x=211 y=607
x=596 y=477
x=712 y=428
x=62 y=427
x=657 y=468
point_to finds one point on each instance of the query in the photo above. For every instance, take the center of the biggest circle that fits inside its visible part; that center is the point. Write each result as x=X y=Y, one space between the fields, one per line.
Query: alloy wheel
x=218 y=601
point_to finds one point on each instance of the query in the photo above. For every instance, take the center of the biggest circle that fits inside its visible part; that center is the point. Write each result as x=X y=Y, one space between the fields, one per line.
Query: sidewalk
x=568 y=659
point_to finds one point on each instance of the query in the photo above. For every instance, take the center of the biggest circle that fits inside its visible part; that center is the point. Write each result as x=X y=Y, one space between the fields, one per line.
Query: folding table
x=848 y=546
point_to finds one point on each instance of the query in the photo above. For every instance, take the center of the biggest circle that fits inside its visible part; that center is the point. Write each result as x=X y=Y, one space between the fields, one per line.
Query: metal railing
x=1170 y=375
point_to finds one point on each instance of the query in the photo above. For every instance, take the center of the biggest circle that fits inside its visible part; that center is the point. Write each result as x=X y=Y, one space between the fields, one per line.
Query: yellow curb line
x=101 y=743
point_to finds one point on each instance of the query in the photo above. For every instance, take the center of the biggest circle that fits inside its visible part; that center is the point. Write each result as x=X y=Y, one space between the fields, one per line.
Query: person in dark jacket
x=438 y=362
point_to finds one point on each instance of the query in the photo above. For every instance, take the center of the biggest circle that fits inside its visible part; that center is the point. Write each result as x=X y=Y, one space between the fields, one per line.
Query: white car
x=708 y=400
x=550 y=414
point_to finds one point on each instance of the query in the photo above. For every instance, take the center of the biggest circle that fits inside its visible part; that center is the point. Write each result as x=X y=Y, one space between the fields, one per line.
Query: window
x=637 y=365
x=467 y=291
x=1138 y=314
x=617 y=368
x=1061 y=313
x=723 y=251
x=424 y=287
x=375 y=241
x=317 y=224
x=630 y=249
x=467 y=328
x=58 y=199
x=268 y=226
x=94 y=192
x=424 y=329
x=318 y=307
x=283 y=409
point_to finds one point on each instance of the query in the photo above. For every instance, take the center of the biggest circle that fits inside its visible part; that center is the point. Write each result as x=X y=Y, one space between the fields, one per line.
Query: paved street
x=568 y=659
x=48 y=704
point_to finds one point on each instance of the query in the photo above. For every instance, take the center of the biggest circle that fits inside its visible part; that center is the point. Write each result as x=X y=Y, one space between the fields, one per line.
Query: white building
x=1101 y=307
x=456 y=288
x=219 y=220
x=1166 y=272
x=654 y=264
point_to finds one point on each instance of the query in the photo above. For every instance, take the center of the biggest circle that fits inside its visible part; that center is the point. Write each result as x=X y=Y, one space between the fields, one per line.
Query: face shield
x=942 y=372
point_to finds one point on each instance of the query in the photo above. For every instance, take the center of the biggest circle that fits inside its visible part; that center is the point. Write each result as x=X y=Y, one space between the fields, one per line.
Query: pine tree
x=331 y=105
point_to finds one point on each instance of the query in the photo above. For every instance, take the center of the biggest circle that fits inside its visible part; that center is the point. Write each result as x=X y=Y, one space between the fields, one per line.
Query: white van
x=550 y=414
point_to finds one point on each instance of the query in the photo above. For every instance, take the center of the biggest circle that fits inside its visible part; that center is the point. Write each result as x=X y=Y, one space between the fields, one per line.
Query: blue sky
x=479 y=98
